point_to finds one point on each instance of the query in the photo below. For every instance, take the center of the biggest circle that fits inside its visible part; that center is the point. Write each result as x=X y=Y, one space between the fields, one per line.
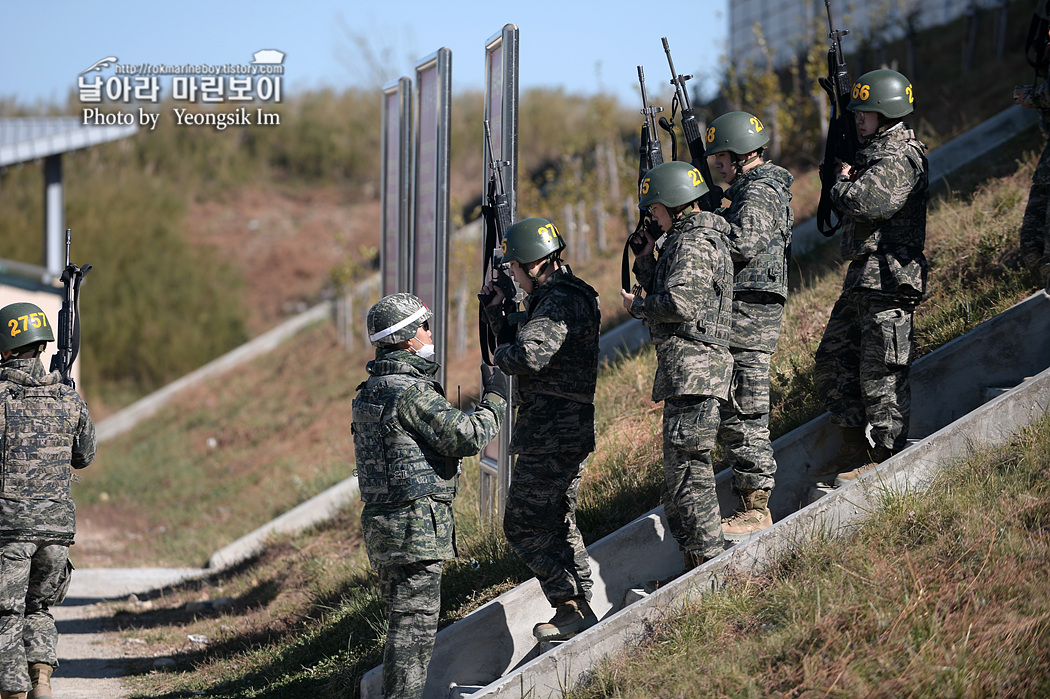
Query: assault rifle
x=650 y=154
x=842 y=142
x=1035 y=44
x=496 y=210
x=69 y=319
x=693 y=138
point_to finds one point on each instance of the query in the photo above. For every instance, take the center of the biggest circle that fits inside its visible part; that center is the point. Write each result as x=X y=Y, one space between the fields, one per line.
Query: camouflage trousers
x=1035 y=227
x=411 y=596
x=540 y=523
x=744 y=428
x=690 y=502
x=862 y=364
x=33 y=576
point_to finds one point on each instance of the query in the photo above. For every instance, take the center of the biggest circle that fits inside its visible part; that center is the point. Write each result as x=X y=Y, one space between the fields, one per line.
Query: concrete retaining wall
x=911 y=470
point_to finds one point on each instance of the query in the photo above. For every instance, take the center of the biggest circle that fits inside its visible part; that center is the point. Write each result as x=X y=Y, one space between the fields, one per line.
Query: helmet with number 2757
x=23 y=324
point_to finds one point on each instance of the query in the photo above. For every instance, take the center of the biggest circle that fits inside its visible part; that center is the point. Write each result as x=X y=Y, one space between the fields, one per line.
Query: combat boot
x=876 y=457
x=752 y=517
x=854 y=451
x=570 y=618
x=40 y=677
x=12 y=695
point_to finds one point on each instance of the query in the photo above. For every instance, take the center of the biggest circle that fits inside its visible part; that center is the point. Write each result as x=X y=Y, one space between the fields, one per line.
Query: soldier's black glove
x=493 y=381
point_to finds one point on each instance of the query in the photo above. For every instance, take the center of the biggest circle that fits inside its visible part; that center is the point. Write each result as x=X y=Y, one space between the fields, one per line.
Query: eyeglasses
x=426 y=325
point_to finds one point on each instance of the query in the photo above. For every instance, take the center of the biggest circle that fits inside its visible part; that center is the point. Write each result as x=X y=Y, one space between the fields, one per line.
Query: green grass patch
x=938 y=594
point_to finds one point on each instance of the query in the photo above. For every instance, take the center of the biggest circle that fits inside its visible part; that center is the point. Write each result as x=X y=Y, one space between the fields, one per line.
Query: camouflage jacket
x=1038 y=97
x=1035 y=240
x=554 y=360
x=883 y=206
x=46 y=429
x=688 y=307
x=760 y=220
x=405 y=431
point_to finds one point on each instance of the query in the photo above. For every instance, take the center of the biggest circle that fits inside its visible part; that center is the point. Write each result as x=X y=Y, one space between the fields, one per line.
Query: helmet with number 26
x=884 y=92
x=23 y=324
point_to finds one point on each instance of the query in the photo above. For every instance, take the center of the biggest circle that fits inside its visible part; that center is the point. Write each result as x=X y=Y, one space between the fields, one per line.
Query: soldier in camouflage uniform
x=408 y=442
x=863 y=361
x=554 y=358
x=688 y=307
x=46 y=429
x=760 y=220
x=1035 y=228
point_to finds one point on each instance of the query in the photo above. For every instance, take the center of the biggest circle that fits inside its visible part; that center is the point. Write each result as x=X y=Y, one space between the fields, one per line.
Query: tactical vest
x=573 y=372
x=391 y=465
x=768 y=270
x=715 y=322
x=38 y=428
x=907 y=227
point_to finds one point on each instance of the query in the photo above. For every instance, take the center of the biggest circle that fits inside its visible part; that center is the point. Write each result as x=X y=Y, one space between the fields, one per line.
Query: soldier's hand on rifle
x=642 y=243
x=844 y=169
x=491 y=294
x=628 y=298
x=1021 y=95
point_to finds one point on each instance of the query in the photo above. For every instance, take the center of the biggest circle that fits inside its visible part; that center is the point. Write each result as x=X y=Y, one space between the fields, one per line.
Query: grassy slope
x=306 y=618
x=940 y=594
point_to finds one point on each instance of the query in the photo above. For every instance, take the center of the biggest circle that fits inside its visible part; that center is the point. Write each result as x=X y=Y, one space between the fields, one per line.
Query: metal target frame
x=501 y=110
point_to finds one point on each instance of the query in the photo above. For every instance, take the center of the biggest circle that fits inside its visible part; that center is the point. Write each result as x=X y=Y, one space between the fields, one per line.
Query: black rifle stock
x=69 y=319
x=650 y=154
x=842 y=142
x=496 y=210
x=693 y=137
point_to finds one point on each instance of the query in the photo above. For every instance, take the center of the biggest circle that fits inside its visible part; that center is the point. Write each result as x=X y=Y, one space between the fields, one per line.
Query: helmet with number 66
x=884 y=92
x=23 y=324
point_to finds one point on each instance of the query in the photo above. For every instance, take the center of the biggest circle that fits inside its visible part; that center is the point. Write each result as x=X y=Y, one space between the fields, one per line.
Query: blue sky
x=578 y=46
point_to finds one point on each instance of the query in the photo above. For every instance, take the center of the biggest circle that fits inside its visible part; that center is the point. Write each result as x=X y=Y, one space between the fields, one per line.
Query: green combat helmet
x=737 y=133
x=531 y=239
x=885 y=92
x=23 y=324
x=672 y=184
x=396 y=318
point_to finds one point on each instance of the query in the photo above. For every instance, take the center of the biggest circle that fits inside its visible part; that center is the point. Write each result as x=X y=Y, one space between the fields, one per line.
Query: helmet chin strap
x=535 y=278
x=741 y=163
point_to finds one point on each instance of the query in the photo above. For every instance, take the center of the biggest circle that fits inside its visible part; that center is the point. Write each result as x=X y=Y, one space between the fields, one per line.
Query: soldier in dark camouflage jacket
x=688 y=308
x=1035 y=228
x=863 y=361
x=554 y=359
x=408 y=442
x=760 y=220
x=46 y=429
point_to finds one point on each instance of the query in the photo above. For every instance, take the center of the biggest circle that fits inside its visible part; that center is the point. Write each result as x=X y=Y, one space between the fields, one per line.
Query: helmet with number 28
x=23 y=324
x=672 y=184
x=884 y=92
x=736 y=132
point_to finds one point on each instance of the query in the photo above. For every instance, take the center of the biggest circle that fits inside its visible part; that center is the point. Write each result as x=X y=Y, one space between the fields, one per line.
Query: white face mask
x=425 y=352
